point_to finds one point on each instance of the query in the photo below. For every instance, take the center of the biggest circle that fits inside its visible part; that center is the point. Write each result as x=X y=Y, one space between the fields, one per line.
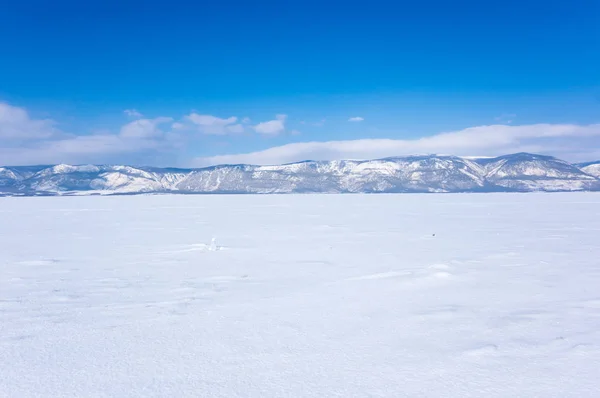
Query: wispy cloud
x=320 y=123
x=356 y=119
x=272 y=127
x=209 y=124
x=133 y=113
x=482 y=140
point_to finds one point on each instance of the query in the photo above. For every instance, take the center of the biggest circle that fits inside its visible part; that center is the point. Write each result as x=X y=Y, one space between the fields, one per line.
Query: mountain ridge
x=519 y=172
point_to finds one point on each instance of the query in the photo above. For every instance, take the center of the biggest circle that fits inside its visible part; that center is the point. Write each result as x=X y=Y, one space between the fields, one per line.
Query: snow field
x=464 y=295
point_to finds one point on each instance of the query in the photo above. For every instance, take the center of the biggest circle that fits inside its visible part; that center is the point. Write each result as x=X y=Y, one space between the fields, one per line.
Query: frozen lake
x=472 y=295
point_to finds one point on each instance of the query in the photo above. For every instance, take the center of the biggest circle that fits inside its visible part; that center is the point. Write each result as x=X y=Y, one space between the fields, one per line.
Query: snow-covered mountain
x=591 y=168
x=520 y=172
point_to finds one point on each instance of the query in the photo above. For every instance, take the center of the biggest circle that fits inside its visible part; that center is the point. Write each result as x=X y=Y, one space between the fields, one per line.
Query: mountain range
x=520 y=172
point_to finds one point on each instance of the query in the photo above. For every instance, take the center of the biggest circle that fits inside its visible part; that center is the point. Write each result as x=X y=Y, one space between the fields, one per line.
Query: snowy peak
x=530 y=172
x=592 y=168
x=67 y=169
x=8 y=174
x=521 y=172
x=528 y=165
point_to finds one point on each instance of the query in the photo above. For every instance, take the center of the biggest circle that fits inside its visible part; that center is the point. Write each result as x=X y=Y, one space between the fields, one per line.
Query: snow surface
x=459 y=295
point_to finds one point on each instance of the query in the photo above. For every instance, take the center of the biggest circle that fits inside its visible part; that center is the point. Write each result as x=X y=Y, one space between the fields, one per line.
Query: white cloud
x=24 y=140
x=272 y=127
x=356 y=119
x=15 y=124
x=133 y=113
x=482 y=140
x=208 y=124
x=208 y=120
x=144 y=128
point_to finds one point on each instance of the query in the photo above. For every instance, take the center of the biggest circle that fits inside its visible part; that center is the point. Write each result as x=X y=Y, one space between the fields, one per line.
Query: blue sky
x=183 y=84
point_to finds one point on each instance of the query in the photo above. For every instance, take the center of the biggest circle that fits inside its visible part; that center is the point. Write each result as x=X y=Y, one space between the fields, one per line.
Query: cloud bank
x=16 y=125
x=474 y=141
x=26 y=140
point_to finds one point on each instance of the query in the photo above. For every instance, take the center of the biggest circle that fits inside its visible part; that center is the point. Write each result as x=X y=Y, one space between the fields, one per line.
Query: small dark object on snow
x=433 y=235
